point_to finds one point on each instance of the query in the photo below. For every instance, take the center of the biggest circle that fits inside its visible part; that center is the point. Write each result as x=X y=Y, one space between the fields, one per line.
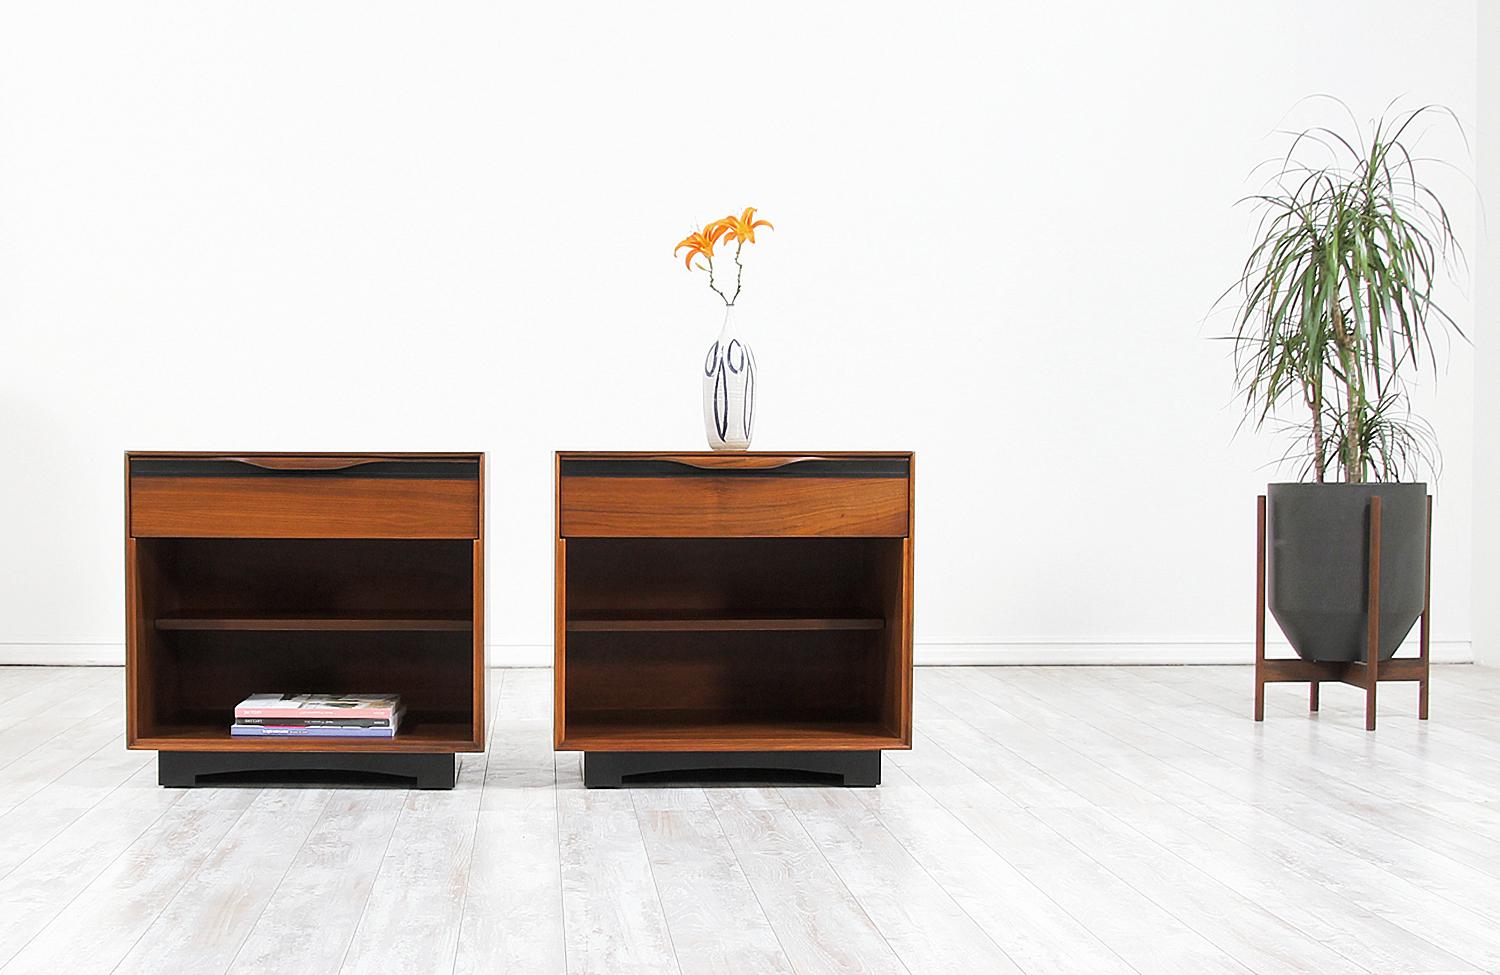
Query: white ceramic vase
x=729 y=390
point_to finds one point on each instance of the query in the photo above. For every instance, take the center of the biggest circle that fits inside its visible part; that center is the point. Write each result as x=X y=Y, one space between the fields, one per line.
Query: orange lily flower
x=742 y=227
x=701 y=242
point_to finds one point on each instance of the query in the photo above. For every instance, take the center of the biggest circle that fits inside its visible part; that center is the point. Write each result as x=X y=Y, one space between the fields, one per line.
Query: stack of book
x=318 y=716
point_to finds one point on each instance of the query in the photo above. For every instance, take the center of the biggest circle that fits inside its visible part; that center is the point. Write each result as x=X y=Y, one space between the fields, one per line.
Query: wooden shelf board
x=412 y=736
x=289 y=622
x=698 y=731
x=726 y=621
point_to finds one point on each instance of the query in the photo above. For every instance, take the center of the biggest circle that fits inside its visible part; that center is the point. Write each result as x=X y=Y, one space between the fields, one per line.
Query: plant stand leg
x=1422 y=688
x=1260 y=608
x=1312 y=696
x=1426 y=615
x=1372 y=641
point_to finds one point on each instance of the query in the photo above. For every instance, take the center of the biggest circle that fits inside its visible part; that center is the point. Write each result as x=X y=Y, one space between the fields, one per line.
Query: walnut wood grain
x=233 y=507
x=559 y=641
x=669 y=731
x=607 y=507
x=478 y=701
x=269 y=623
x=413 y=736
x=1286 y=670
x=140 y=606
x=701 y=623
x=756 y=611
x=304 y=583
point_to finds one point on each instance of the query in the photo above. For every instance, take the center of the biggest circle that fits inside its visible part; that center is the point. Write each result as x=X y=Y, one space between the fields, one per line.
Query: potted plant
x=1335 y=313
x=729 y=367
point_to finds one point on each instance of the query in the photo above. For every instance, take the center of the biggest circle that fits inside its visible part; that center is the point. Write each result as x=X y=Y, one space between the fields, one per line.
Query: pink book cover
x=318 y=706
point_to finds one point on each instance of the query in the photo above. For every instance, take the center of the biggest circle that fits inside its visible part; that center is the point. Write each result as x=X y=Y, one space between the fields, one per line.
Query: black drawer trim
x=439 y=470
x=844 y=467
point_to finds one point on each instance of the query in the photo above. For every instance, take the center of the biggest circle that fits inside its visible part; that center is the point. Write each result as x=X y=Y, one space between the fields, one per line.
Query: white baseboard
x=1099 y=654
x=63 y=654
x=113 y=654
x=927 y=654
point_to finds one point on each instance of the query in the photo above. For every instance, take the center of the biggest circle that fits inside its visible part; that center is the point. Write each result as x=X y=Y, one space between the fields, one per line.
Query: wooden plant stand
x=1367 y=673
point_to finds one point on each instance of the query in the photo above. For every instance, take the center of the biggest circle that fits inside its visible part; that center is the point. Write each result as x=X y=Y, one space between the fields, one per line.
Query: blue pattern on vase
x=729 y=392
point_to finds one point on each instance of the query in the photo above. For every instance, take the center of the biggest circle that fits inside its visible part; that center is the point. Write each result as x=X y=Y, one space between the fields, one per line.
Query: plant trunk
x=1314 y=397
x=1355 y=455
x=1353 y=452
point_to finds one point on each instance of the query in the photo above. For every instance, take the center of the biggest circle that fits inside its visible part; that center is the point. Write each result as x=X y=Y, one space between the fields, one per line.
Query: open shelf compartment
x=220 y=619
x=743 y=644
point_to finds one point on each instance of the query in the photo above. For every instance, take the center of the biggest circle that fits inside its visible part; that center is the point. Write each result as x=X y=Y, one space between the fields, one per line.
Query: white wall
x=1486 y=583
x=392 y=226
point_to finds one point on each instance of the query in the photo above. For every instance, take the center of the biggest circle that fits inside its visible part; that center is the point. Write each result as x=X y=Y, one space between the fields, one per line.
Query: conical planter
x=1318 y=561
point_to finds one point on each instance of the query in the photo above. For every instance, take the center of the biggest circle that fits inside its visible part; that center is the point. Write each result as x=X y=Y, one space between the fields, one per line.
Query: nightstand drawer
x=758 y=496
x=297 y=496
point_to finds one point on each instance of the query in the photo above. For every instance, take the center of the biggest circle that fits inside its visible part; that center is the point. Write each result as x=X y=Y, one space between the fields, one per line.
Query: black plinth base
x=610 y=769
x=184 y=769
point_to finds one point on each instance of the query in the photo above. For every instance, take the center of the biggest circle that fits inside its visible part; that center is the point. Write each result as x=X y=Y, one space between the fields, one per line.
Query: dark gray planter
x=1318 y=558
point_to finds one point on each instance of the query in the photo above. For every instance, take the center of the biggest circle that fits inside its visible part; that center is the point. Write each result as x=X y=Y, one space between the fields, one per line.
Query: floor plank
x=715 y=921
x=54 y=758
x=819 y=923
x=309 y=920
x=512 y=913
x=922 y=922
x=47 y=881
x=1033 y=929
x=90 y=892
x=1047 y=821
x=34 y=717
x=1143 y=933
x=612 y=913
x=212 y=914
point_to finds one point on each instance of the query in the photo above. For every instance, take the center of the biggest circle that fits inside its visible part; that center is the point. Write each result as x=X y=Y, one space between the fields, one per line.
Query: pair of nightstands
x=713 y=610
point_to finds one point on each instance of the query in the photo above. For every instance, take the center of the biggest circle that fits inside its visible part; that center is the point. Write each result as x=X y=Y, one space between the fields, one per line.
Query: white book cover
x=318 y=706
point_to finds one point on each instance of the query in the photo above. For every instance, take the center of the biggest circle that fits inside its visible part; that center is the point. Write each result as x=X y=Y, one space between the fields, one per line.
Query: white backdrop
x=407 y=226
x=1486 y=537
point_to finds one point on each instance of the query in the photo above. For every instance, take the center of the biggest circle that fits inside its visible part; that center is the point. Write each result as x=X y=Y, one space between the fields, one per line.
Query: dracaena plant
x=701 y=244
x=1335 y=302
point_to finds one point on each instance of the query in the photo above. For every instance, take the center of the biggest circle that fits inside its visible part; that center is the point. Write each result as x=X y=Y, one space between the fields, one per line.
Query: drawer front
x=301 y=497
x=603 y=498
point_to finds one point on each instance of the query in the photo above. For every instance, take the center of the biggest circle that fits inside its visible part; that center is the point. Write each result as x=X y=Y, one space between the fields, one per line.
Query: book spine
x=316 y=722
x=273 y=731
x=303 y=714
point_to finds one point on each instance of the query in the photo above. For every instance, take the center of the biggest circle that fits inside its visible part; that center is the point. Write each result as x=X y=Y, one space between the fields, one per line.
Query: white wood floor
x=1049 y=820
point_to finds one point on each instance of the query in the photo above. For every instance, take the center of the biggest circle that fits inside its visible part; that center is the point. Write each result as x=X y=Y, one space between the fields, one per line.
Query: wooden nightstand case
x=304 y=573
x=720 y=610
